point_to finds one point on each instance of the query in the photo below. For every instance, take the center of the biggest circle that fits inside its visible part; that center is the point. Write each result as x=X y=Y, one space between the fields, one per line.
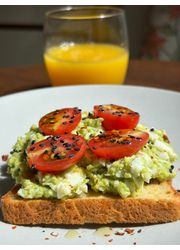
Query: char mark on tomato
x=56 y=154
x=117 y=144
x=61 y=121
x=116 y=117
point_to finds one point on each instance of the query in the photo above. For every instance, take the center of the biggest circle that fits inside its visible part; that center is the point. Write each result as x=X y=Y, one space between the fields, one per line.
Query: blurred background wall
x=21 y=32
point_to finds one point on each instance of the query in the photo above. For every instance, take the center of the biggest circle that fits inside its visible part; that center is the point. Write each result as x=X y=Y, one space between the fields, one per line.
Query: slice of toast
x=156 y=203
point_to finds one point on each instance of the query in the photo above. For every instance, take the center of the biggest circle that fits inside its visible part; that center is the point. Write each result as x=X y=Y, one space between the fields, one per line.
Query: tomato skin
x=60 y=121
x=56 y=154
x=116 y=117
x=117 y=144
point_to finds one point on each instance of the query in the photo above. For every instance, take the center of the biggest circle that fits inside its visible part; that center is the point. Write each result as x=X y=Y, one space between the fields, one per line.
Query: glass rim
x=57 y=14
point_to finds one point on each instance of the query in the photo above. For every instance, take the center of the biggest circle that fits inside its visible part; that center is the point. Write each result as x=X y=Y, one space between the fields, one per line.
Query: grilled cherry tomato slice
x=60 y=121
x=116 y=144
x=56 y=154
x=116 y=117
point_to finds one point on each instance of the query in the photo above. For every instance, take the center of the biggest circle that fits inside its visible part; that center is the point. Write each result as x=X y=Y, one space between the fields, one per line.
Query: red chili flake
x=110 y=240
x=129 y=231
x=166 y=138
x=178 y=169
x=119 y=233
x=5 y=157
x=13 y=227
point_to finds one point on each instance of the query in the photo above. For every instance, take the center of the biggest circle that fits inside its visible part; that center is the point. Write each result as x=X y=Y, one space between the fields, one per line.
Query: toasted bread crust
x=163 y=207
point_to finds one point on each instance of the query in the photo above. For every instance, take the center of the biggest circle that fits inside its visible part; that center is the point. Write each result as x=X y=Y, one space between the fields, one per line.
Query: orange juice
x=89 y=63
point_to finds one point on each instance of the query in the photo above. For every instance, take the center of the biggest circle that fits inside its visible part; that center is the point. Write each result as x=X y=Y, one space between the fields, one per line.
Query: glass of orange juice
x=86 y=45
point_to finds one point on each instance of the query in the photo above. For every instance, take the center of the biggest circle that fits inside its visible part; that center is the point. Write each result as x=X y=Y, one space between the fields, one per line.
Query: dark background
x=21 y=32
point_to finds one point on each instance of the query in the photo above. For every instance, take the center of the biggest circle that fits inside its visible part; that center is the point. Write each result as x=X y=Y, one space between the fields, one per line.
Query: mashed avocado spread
x=122 y=177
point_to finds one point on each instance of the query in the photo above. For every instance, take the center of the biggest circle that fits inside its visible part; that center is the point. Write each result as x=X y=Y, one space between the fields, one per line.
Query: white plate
x=158 y=108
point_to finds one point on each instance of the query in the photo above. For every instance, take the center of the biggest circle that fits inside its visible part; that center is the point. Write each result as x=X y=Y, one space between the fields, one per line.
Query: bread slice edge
x=157 y=203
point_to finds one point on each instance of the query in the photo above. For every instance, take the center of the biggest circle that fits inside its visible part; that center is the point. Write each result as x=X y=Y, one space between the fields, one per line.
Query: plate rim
x=44 y=89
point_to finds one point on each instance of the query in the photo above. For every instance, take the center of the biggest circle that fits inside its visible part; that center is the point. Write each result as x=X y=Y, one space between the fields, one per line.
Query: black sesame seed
x=54 y=138
x=64 y=123
x=127 y=142
x=32 y=148
x=66 y=116
x=33 y=169
x=41 y=145
x=52 y=144
x=45 y=152
x=102 y=136
x=73 y=138
x=131 y=136
x=71 y=156
x=152 y=129
x=76 y=149
x=53 y=149
x=56 y=112
x=33 y=141
x=49 y=138
x=139 y=231
x=62 y=141
x=59 y=157
x=72 y=117
x=66 y=144
x=170 y=170
x=138 y=138
x=112 y=140
x=73 y=144
x=71 y=121
x=65 y=133
x=93 y=147
x=122 y=142
x=172 y=166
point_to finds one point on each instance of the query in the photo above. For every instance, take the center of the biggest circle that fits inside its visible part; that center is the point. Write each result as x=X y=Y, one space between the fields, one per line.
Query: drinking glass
x=86 y=45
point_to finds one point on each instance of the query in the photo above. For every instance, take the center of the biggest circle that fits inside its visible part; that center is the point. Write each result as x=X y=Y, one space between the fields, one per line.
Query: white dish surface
x=158 y=108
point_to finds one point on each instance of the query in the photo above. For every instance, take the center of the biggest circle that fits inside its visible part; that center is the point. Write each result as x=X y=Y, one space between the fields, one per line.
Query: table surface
x=164 y=75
